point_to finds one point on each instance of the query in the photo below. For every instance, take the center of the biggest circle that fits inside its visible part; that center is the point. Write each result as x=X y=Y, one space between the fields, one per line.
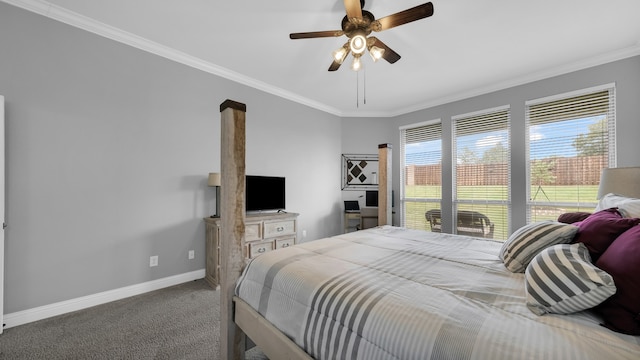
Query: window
x=570 y=140
x=481 y=149
x=421 y=178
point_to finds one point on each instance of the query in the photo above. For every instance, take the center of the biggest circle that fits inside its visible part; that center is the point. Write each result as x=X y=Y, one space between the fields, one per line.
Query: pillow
x=599 y=230
x=562 y=280
x=622 y=261
x=525 y=243
x=629 y=207
x=573 y=217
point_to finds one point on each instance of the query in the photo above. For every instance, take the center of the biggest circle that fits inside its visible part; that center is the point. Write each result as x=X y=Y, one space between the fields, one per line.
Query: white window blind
x=421 y=178
x=481 y=146
x=570 y=140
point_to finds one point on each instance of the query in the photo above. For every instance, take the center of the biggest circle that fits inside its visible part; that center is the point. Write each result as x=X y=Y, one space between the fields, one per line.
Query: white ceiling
x=468 y=47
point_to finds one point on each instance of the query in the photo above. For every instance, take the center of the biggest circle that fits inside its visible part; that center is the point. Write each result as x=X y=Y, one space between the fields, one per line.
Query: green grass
x=497 y=213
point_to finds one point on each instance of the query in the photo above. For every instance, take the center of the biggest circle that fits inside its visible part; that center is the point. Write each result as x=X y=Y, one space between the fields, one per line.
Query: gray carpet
x=179 y=322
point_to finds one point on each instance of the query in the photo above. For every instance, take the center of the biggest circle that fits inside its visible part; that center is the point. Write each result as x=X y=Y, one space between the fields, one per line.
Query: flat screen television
x=264 y=193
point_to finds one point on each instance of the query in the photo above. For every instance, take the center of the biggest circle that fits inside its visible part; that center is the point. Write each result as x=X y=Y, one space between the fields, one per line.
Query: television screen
x=264 y=193
x=371 y=198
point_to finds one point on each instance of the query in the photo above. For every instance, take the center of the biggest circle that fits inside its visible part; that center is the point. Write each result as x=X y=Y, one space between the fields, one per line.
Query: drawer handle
x=261 y=250
x=280 y=228
x=285 y=245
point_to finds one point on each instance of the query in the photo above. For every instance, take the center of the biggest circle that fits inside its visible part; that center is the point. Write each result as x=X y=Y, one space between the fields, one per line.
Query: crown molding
x=529 y=78
x=74 y=19
x=68 y=17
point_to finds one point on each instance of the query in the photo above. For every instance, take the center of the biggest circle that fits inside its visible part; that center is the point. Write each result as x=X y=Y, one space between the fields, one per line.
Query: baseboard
x=63 y=307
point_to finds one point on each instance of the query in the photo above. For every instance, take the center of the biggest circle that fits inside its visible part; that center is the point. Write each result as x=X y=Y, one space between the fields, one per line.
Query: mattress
x=395 y=293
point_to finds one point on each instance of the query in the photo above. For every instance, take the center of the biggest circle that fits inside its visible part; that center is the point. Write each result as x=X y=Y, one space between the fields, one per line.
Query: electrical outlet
x=153 y=261
x=192 y=254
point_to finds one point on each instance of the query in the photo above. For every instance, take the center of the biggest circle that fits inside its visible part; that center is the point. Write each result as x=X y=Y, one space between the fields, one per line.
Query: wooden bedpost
x=232 y=219
x=384 y=185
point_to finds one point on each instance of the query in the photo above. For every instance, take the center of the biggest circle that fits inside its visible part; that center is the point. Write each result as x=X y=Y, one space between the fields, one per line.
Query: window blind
x=421 y=178
x=570 y=139
x=482 y=151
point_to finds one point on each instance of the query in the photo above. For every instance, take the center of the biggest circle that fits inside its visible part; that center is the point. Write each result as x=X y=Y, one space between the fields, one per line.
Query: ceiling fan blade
x=316 y=34
x=334 y=66
x=354 y=10
x=403 y=17
x=389 y=55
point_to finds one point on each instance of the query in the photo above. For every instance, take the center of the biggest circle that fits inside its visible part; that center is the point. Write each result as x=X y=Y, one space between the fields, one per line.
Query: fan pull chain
x=357 y=89
x=364 y=86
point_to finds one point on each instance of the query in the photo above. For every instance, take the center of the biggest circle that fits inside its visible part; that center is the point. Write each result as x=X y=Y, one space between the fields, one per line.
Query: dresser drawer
x=252 y=231
x=259 y=248
x=279 y=228
x=284 y=243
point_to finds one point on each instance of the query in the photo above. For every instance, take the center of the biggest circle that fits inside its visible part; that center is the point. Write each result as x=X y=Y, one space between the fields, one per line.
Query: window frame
x=611 y=141
x=456 y=202
x=403 y=199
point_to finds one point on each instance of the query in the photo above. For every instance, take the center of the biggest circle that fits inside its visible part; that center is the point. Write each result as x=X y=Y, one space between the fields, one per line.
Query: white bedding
x=394 y=293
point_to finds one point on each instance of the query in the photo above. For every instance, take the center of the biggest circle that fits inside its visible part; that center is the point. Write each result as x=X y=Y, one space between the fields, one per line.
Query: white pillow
x=628 y=207
x=525 y=243
x=562 y=280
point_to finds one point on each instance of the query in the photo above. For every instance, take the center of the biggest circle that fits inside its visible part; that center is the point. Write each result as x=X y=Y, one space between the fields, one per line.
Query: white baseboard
x=63 y=307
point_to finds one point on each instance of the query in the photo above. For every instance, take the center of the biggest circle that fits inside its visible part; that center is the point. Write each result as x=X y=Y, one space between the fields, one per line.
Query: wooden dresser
x=264 y=232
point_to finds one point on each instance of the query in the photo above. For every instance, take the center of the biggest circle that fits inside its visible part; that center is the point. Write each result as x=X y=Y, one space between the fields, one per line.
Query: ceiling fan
x=358 y=24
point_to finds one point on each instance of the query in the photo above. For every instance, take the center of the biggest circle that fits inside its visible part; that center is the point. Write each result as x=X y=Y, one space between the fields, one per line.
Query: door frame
x=2 y=211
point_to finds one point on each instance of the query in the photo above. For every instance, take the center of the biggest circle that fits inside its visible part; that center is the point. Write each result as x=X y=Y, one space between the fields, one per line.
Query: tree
x=467 y=156
x=593 y=142
x=495 y=155
x=542 y=172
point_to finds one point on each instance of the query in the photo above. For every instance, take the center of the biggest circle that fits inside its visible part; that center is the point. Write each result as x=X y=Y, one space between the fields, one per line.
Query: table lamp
x=214 y=180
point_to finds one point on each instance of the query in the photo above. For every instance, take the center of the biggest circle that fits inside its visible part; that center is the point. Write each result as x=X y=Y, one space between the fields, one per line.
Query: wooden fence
x=579 y=170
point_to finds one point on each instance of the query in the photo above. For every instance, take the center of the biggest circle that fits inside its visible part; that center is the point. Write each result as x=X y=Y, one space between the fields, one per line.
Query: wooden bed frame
x=237 y=319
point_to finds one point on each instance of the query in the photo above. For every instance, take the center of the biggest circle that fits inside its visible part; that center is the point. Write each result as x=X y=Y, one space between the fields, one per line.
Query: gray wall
x=624 y=73
x=108 y=148
x=107 y=153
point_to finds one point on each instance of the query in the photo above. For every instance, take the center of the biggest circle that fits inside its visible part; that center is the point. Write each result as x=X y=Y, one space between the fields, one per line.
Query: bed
x=386 y=292
x=395 y=293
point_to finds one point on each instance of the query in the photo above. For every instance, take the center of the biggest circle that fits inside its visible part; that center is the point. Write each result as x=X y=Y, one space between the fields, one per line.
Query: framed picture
x=359 y=172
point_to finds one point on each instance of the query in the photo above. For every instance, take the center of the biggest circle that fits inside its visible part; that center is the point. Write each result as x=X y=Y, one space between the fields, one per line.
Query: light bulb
x=358 y=43
x=357 y=65
x=376 y=53
x=339 y=55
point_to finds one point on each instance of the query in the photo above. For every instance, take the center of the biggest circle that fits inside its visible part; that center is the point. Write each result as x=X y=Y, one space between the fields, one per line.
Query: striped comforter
x=394 y=293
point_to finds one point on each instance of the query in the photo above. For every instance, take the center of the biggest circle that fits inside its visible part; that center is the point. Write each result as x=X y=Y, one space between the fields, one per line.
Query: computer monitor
x=371 y=198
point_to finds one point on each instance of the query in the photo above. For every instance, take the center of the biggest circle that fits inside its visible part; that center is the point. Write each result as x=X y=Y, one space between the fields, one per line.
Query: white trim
x=63 y=307
x=481 y=112
x=2 y=206
x=55 y=12
x=424 y=123
x=74 y=19
x=571 y=94
x=526 y=79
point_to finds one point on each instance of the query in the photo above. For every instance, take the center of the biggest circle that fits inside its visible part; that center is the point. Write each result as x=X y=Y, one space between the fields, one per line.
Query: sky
x=553 y=139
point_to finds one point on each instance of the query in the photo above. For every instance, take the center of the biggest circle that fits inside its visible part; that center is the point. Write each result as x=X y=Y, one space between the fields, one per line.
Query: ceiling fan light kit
x=358 y=24
x=356 y=65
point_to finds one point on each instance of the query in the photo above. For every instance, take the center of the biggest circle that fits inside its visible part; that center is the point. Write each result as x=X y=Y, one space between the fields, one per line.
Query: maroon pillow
x=621 y=312
x=600 y=229
x=573 y=217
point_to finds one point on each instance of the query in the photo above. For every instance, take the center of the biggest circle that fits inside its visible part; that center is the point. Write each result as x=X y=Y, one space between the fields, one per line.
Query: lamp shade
x=214 y=179
x=621 y=181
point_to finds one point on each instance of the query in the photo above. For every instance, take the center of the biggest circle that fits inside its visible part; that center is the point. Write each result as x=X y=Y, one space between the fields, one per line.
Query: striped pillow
x=562 y=280
x=525 y=243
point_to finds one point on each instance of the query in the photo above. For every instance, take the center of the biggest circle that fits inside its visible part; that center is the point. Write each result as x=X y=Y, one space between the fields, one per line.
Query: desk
x=349 y=222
